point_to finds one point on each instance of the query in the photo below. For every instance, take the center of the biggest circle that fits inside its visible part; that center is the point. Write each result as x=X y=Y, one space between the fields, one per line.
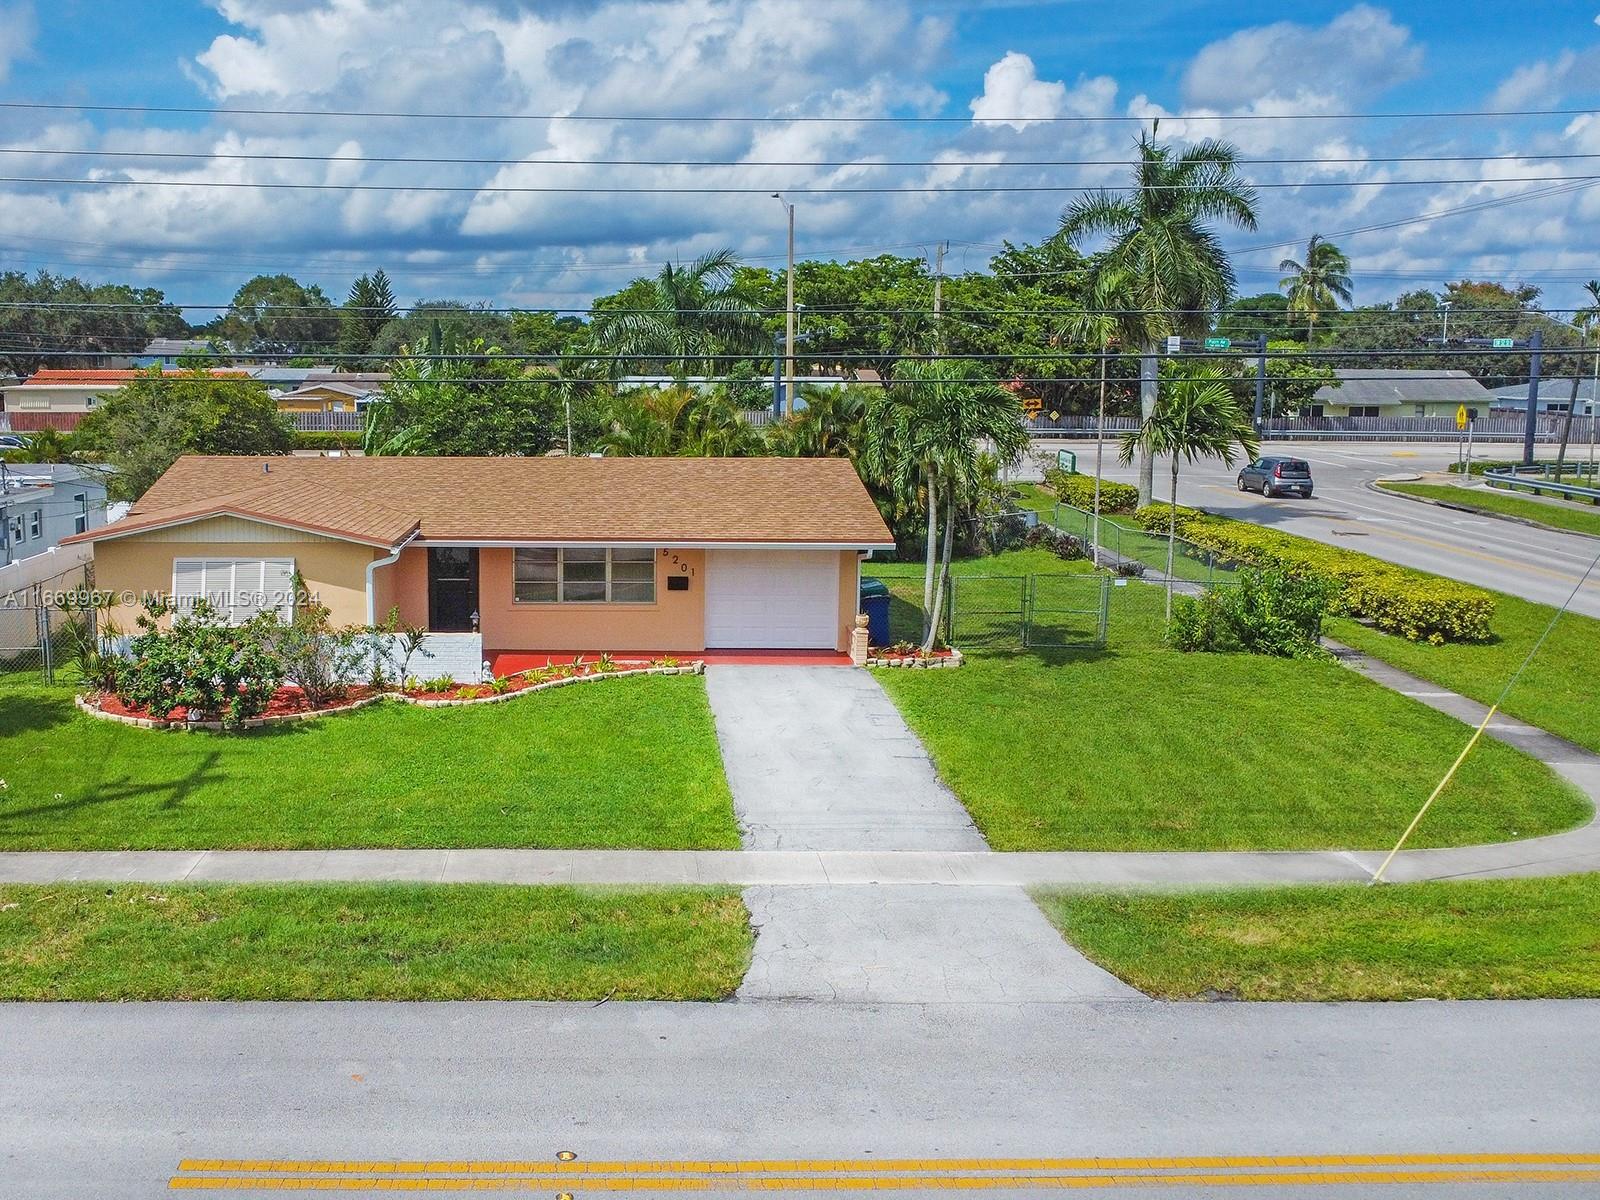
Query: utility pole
x=1445 y=332
x=1261 y=381
x=938 y=276
x=1535 y=343
x=788 y=316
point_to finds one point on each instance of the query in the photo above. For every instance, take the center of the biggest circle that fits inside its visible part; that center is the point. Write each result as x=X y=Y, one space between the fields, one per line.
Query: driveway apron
x=819 y=758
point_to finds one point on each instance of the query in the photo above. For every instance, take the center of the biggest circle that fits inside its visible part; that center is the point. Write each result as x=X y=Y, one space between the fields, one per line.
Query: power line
x=785 y=119
x=518 y=189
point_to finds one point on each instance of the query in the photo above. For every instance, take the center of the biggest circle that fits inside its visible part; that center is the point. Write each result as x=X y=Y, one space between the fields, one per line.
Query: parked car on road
x=1277 y=477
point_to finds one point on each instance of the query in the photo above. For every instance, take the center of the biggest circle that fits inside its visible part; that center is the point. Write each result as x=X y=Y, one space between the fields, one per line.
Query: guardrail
x=1493 y=428
x=1524 y=479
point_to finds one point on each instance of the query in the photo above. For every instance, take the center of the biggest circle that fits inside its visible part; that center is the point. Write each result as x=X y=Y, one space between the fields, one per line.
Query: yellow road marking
x=780 y=1183
x=803 y=1166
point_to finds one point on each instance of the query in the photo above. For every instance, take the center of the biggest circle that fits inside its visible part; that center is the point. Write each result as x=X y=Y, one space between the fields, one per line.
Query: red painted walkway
x=509 y=662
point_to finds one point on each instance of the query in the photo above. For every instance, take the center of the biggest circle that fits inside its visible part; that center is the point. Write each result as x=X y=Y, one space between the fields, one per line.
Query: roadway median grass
x=369 y=942
x=1557 y=514
x=1481 y=940
x=631 y=763
x=1139 y=747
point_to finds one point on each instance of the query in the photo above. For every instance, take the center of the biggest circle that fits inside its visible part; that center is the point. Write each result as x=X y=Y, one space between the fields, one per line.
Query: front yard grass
x=624 y=763
x=1556 y=693
x=369 y=942
x=1558 y=514
x=1139 y=747
x=1490 y=939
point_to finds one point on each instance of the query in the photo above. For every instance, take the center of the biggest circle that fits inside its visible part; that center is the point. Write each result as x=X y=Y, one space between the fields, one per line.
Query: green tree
x=678 y=422
x=924 y=432
x=683 y=318
x=46 y=312
x=1161 y=240
x=142 y=428
x=277 y=314
x=368 y=308
x=543 y=332
x=1198 y=416
x=44 y=446
x=827 y=423
x=463 y=399
x=1318 y=284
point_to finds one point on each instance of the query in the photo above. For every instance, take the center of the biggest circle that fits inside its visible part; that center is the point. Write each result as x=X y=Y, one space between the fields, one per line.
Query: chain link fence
x=1123 y=541
x=41 y=624
x=1067 y=611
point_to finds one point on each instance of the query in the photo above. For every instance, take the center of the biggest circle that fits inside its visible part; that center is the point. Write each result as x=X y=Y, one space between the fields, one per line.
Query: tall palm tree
x=1112 y=318
x=926 y=430
x=1198 y=417
x=685 y=317
x=827 y=424
x=1318 y=284
x=1163 y=243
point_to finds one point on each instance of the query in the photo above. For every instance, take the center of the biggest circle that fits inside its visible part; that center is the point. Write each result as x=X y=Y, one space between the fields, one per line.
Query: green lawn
x=625 y=763
x=1558 y=514
x=1491 y=939
x=369 y=942
x=988 y=597
x=1556 y=693
x=1141 y=748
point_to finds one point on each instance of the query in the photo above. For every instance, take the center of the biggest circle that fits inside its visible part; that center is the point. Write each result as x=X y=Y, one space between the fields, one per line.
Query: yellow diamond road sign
x=1461 y=417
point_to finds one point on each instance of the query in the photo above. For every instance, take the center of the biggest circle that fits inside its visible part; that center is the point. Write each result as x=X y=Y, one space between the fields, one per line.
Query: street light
x=1445 y=332
x=788 y=315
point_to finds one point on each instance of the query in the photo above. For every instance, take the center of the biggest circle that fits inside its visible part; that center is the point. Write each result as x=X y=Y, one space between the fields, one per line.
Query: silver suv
x=1277 y=477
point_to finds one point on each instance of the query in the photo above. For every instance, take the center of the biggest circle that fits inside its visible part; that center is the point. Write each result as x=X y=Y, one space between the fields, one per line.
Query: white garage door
x=772 y=599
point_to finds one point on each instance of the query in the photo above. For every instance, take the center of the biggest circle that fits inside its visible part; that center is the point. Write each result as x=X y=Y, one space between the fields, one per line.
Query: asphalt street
x=1535 y=564
x=109 y=1100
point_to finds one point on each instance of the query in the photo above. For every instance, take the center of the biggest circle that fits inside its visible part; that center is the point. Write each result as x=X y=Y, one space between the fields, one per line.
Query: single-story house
x=59 y=398
x=1396 y=392
x=515 y=555
x=326 y=398
x=41 y=504
x=1555 y=397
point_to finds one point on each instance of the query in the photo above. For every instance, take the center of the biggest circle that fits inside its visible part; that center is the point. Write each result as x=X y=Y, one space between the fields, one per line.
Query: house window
x=584 y=575
x=1422 y=410
x=1363 y=410
x=238 y=588
x=1558 y=407
x=80 y=523
x=16 y=530
x=33 y=525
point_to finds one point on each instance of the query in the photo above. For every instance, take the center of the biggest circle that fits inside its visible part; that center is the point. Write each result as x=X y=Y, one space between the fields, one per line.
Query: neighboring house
x=1555 y=396
x=166 y=352
x=42 y=504
x=1391 y=392
x=61 y=398
x=327 y=397
x=662 y=555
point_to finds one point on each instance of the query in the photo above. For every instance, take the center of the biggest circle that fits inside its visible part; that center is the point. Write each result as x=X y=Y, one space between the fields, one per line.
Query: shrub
x=1266 y=612
x=314 y=655
x=1130 y=568
x=321 y=439
x=1062 y=545
x=1078 y=491
x=201 y=663
x=1415 y=605
x=439 y=683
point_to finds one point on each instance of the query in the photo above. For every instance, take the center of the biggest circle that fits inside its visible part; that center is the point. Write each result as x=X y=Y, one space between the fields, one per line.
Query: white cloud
x=18 y=28
x=1359 y=54
x=1014 y=95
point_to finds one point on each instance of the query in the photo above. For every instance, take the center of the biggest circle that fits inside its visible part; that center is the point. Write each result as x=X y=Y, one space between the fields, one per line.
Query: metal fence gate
x=1043 y=612
x=36 y=625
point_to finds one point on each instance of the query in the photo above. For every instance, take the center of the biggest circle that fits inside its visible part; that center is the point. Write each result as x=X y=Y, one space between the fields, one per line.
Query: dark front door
x=452 y=588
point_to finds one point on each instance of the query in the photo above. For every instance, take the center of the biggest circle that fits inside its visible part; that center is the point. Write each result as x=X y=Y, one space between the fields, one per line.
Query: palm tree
x=1317 y=285
x=683 y=317
x=1112 y=318
x=1162 y=243
x=826 y=424
x=1198 y=417
x=44 y=446
x=925 y=430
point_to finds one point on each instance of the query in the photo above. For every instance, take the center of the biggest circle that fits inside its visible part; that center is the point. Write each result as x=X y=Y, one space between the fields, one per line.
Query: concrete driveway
x=819 y=758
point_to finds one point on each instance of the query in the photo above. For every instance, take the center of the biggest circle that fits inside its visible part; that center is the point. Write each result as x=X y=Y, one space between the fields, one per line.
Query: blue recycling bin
x=875 y=603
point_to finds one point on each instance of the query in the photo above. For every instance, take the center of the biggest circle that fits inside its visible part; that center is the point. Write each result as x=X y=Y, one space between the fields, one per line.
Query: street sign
x=1218 y=343
x=1503 y=343
x=1174 y=344
x=1031 y=405
x=1461 y=417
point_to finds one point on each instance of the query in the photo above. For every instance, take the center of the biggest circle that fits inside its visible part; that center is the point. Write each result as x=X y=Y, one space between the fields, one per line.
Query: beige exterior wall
x=47 y=397
x=849 y=596
x=675 y=622
x=142 y=565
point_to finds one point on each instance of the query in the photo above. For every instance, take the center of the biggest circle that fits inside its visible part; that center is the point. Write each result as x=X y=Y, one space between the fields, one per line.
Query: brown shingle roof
x=665 y=500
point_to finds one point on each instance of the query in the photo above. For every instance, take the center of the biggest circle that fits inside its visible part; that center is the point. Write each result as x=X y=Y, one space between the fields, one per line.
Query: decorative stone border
x=937 y=662
x=87 y=706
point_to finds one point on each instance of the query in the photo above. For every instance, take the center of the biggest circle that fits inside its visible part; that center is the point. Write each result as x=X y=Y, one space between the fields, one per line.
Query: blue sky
x=857 y=58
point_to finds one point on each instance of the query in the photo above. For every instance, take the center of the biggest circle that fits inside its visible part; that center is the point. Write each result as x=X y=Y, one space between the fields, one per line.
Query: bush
x=1266 y=612
x=1062 y=545
x=215 y=670
x=1415 y=605
x=1078 y=491
x=320 y=659
x=1131 y=568
x=322 y=439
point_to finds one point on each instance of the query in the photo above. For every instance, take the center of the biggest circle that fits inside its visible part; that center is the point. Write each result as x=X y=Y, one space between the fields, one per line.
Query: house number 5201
x=674 y=560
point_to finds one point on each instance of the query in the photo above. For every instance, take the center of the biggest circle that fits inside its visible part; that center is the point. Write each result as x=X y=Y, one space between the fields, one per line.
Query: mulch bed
x=285 y=702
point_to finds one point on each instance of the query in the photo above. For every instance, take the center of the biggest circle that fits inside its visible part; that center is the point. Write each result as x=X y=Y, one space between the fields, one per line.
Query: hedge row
x=1413 y=604
x=1078 y=491
x=321 y=439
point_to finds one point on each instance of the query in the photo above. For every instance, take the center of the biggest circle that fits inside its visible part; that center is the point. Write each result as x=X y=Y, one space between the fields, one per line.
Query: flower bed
x=290 y=704
x=913 y=657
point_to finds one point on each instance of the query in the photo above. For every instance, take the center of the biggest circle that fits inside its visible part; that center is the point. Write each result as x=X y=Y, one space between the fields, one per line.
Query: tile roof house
x=1397 y=392
x=59 y=398
x=520 y=555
